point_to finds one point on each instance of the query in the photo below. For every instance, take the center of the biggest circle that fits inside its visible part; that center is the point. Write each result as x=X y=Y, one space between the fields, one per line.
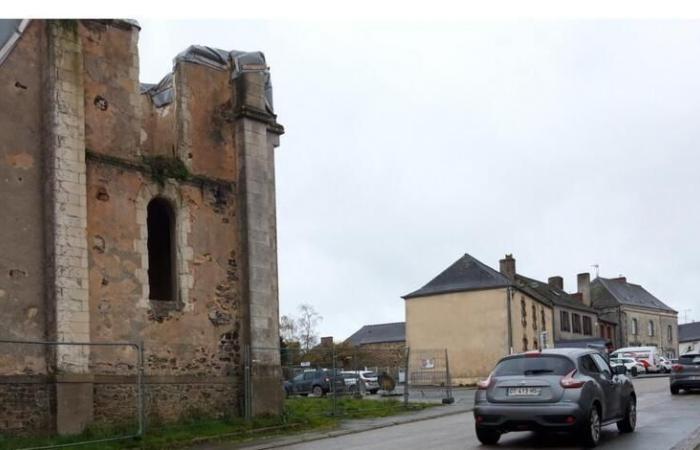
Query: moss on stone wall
x=162 y=168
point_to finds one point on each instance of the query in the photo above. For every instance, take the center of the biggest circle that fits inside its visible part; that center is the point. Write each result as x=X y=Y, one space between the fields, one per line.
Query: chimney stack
x=584 y=287
x=327 y=341
x=621 y=279
x=508 y=266
x=557 y=282
x=578 y=296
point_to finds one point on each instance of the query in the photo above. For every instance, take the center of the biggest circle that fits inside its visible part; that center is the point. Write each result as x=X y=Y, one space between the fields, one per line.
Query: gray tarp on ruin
x=236 y=61
x=10 y=32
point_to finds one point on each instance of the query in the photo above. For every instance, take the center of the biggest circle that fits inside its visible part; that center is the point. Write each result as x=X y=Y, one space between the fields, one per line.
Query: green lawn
x=301 y=414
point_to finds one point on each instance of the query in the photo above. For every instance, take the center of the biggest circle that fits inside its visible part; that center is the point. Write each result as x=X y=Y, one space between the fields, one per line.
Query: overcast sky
x=566 y=143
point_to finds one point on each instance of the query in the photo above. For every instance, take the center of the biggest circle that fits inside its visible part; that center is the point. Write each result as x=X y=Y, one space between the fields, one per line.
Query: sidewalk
x=350 y=426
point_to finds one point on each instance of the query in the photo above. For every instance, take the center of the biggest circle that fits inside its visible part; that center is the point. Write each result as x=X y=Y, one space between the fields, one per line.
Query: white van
x=649 y=355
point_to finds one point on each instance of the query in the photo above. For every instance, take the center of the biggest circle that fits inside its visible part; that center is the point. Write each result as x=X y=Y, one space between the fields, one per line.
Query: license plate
x=523 y=392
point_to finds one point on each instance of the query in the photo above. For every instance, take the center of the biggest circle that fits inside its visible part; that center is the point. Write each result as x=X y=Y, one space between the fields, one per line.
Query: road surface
x=662 y=422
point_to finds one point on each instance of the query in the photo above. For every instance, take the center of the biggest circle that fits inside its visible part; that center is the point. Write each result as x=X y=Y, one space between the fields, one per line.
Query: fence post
x=140 y=390
x=247 y=407
x=334 y=378
x=448 y=381
x=405 y=378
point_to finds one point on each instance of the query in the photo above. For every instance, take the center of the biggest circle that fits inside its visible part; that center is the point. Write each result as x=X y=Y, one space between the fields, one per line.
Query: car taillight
x=569 y=382
x=484 y=384
x=677 y=368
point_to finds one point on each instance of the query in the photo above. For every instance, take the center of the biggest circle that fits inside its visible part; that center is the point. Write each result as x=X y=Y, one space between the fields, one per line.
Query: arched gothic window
x=161 y=250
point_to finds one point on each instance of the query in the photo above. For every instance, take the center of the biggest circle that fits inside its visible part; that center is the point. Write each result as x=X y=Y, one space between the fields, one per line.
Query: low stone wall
x=26 y=406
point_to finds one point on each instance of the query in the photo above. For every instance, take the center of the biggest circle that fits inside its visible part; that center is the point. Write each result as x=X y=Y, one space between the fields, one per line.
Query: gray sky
x=566 y=143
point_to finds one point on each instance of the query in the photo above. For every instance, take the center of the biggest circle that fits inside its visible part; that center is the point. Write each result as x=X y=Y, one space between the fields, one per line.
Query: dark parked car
x=564 y=389
x=316 y=382
x=686 y=373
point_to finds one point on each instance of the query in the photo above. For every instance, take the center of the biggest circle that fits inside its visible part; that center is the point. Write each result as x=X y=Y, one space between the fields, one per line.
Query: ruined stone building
x=133 y=214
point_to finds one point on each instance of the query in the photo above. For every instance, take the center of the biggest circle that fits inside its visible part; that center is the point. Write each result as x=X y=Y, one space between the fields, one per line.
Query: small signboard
x=305 y=364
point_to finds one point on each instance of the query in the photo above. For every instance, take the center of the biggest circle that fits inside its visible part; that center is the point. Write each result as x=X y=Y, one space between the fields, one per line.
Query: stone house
x=642 y=319
x=689 y=337
x=133 y=213
x=381 y=345
x=478 y=315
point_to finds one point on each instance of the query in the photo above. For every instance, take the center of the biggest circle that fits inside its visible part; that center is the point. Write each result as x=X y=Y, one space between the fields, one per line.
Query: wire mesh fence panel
x=93 y=391
x=429 y=376
x=343 y=380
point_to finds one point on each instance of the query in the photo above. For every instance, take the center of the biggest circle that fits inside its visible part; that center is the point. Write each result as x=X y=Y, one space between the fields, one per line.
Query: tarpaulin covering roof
x=237 y=62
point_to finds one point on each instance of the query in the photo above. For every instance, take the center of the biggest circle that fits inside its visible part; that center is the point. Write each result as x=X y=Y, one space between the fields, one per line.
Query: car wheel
x=373 y=391
x=634 y=371
x=487 y=437
x=590 y=433
x=674 y=390
x=317 y=391
x=629 y=422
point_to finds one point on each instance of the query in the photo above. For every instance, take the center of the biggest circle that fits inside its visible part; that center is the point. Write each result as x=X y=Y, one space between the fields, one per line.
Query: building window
x=535 y=345
x=544 y=323
x=576 y=322
x=524 y=344
x=565 y=325
x=587 y=326
x=523 y=311
x=670 y=333
x=634 y=327
x=161 y=252
x=651 y=328
x=534 y=317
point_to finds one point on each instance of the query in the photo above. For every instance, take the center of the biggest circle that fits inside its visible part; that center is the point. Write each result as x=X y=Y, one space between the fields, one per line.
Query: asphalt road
x=662 y=422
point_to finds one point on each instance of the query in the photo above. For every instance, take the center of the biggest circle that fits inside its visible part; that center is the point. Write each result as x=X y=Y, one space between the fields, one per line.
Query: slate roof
x=688 y=332
x=552 y=295
x=379 y=333
x=611 y=292
x=465 y=274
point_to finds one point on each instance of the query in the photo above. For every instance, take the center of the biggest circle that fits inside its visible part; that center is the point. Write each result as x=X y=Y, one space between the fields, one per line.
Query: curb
x=691 y=442
x=334 y=434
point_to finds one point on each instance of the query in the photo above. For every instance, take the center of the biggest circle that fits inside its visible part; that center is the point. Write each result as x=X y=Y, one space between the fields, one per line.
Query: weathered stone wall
x=22 y=268
x=75 y=124
x=26 y=406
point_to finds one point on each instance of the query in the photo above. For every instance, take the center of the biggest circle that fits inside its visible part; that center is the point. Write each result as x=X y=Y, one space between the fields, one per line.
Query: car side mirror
x=620 y=370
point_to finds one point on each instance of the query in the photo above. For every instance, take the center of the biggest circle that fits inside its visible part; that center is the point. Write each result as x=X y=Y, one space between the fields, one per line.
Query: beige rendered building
x=478 y=315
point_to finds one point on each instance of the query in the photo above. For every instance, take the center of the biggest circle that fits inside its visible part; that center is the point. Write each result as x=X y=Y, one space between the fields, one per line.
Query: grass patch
x=301 y=414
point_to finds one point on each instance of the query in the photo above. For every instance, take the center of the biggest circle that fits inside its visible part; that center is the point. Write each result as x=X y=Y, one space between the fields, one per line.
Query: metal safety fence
x=341 y=380
x=49 y=388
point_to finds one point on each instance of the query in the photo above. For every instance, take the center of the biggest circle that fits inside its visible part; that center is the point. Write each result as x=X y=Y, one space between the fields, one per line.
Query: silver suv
x=686 y=373
x=565 y=389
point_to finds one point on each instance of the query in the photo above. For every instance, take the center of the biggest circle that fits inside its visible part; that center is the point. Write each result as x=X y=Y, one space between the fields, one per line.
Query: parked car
x=633 y=366
x=649 y=356
x=368 y=380
x=665 y=365
x=316 y=382
x=686 y=374
x=563 y=389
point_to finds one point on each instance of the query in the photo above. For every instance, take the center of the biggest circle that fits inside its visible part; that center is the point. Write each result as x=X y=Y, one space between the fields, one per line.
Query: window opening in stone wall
x=670 y=333
x=634 y=327
x=565 y=326
x=161 y=251
x=524 y=344
x=544 y=323
x=651 y=328
x=587 y=326
x=576 y=322
x=534 y=317
x=523 y=312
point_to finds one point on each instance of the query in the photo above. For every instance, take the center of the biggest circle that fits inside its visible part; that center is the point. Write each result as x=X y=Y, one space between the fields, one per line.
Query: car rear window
x=689 y=360
x=534 y=365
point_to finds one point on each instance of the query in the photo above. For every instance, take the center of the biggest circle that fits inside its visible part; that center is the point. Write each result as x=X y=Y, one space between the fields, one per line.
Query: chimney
x=508 y=266
x=621 y=279
x=327 y=341
x=578 y=296
x=557 y=282
x=584 y=287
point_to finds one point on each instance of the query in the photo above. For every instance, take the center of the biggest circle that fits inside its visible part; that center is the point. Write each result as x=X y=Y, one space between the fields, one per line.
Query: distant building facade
x=689 y=337
x=642 y=319
x=478 y=315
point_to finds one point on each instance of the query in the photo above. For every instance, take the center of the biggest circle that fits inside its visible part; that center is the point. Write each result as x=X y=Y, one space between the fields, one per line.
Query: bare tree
x=306 y=325
x=288 y=329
